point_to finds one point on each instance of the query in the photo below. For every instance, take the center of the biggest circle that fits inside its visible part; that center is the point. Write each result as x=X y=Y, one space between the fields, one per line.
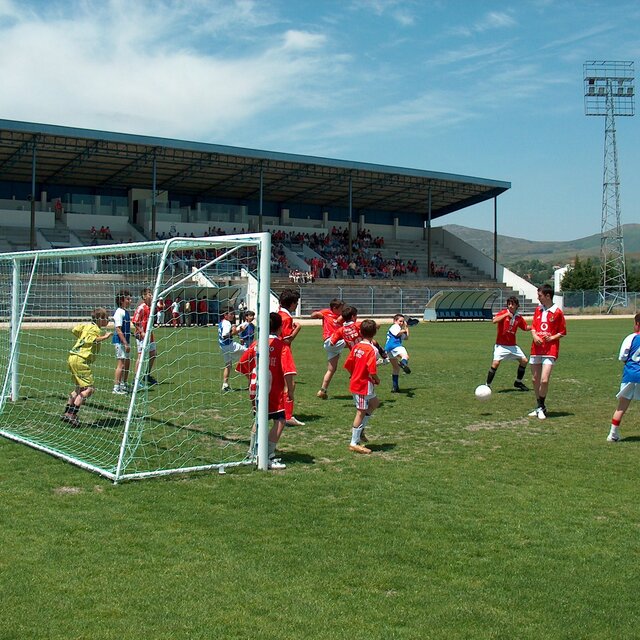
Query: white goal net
x=159 y=407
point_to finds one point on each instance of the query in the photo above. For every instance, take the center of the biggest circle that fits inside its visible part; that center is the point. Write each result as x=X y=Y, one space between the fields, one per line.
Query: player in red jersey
x=290 y=329
x=349 y=333
x=140 y=321
x=281 y=387
x=547 y=327
x=362 y=365
x=331 y=320
x=509 y=321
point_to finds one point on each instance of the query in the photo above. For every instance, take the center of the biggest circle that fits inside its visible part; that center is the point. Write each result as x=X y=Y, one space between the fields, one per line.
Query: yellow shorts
x=80 y=371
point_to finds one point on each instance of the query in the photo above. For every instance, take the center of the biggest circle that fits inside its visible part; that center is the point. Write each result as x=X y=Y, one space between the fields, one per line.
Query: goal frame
x=10 y=380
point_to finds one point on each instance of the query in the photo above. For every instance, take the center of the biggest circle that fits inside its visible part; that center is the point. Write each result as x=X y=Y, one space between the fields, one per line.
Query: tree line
x=583 y=276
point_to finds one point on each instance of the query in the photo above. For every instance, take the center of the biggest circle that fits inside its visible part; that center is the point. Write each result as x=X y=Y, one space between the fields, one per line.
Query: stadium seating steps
x=409 y=291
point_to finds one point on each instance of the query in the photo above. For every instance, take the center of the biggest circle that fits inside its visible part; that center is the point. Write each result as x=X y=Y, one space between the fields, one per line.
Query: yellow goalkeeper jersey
x=86 y=346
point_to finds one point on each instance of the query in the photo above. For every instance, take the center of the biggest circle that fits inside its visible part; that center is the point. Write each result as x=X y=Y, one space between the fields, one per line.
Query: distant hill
x=513 y=249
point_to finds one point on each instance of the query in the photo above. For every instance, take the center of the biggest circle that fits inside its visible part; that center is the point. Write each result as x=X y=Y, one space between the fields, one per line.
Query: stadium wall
x=485 y=263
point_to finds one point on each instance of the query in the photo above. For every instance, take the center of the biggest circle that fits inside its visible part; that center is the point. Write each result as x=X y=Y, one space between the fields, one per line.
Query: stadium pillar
x=154 y=191
x=350 y=213
x=495 y=237
x=427 y=231
x=261 y=201
x=32 y=228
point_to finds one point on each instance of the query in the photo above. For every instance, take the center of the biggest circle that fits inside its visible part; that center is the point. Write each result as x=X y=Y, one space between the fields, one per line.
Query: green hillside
x=514 y=249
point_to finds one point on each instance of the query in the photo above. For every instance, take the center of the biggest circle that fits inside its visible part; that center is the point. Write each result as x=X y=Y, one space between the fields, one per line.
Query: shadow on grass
x=629 y=439
x=383 y=446
x=559 y=414
x=513 y=390
x=409 y=392
x=308 y=417
x=294 y=457
x=106 y=423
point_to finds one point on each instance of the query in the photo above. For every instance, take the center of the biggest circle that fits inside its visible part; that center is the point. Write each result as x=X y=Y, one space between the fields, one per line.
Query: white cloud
x=399 y=10
x=490 y=21
x=120 y=66
x=302 y=40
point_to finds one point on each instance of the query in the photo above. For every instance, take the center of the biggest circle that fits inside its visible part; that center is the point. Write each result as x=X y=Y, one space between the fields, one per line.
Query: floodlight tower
x=609 y=92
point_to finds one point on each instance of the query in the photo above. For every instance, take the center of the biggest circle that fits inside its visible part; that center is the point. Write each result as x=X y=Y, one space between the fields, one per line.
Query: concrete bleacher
x=376 y=297
x=441 y=256
x=15 y=238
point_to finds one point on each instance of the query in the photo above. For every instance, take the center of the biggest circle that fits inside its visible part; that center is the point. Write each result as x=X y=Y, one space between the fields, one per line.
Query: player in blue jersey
x=398 y=332
x=230 y=349
x=246 y=329
x=122 y=341
x=630 y=386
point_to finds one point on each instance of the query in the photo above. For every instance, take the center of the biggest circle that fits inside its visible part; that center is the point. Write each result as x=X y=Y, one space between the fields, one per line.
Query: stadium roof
x=101 y=159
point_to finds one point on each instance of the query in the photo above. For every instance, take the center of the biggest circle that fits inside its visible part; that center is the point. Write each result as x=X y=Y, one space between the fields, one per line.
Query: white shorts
x=121 y=354
x=398 y=352
x=629 y=390
x=502 y=352
x=333 y=350
x=362 y=401
x=542 y=360
x=231 y=352
x=151 y=347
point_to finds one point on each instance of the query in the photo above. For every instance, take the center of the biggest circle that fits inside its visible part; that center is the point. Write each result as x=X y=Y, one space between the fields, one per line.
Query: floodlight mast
x=609 y=92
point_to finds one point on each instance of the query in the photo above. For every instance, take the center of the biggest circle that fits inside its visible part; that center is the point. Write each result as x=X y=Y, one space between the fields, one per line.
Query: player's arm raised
x=501 y=315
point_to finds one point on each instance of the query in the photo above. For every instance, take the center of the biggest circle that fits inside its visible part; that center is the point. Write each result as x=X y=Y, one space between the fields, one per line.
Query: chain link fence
x=589 y=301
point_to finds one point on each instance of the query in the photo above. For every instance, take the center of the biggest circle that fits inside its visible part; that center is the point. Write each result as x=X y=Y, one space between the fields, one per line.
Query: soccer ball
x=483 y=392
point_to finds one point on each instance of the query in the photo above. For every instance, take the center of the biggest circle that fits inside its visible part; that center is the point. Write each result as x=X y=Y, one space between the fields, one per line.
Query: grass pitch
x=469 y=520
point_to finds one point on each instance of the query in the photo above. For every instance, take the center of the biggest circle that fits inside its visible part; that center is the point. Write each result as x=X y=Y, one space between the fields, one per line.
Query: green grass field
x=469 y=520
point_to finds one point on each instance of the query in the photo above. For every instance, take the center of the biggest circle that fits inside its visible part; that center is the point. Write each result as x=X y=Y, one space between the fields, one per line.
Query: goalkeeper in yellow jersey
x=89 y=336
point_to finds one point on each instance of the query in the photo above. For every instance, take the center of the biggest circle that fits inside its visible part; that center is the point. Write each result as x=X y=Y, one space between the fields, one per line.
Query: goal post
x=126 y=426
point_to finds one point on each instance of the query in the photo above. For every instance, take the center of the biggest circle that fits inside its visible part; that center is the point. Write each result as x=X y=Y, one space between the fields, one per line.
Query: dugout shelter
x=460 y=305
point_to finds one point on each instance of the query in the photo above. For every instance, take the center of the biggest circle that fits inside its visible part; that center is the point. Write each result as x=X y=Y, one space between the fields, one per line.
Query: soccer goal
x=170 y=413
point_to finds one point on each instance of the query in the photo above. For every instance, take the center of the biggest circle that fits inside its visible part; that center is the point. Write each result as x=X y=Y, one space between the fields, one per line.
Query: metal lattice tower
x=609 y=92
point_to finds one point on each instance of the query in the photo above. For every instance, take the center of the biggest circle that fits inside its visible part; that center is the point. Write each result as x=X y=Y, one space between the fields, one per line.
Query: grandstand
x=143 y=188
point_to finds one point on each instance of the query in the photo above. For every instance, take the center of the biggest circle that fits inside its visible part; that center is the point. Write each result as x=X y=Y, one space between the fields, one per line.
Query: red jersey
x=507 y=328
x=140 y=319
x=280 y=364
x=349 y=332
x=361 y=363
x=329 y=322
x=548 y=322
x=287 y=323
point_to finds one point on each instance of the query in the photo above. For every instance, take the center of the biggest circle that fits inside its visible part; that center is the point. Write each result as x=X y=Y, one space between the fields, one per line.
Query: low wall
x=485 y=263
x=22 y=218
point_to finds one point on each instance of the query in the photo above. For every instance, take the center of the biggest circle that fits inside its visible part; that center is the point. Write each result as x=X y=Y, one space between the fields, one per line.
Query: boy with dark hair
x=246 y=329
x=331 y=320
x=230 y=349
x=290 y=329
x=362 y=366
x=140 y=321
x=547 y=327
x=509 y=321
x=398 y=356
x=281 y=388
x=122 y=341
x=89 y=336
x=630 y=385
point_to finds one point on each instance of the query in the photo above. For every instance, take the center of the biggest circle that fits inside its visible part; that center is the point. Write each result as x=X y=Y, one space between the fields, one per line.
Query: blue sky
x=483 y=88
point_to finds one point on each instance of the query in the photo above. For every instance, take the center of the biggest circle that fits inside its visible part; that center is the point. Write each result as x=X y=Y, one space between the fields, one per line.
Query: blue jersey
x=630 y=355
x=122 y=319
x=225 y=336
x=246 y=335
x=393 y=339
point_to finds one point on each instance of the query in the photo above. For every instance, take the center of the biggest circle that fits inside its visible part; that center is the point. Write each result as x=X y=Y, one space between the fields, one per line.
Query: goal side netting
x=163 y=408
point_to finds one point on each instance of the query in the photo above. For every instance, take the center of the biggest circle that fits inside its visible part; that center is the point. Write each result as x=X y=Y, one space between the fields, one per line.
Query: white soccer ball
x=483 y=392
